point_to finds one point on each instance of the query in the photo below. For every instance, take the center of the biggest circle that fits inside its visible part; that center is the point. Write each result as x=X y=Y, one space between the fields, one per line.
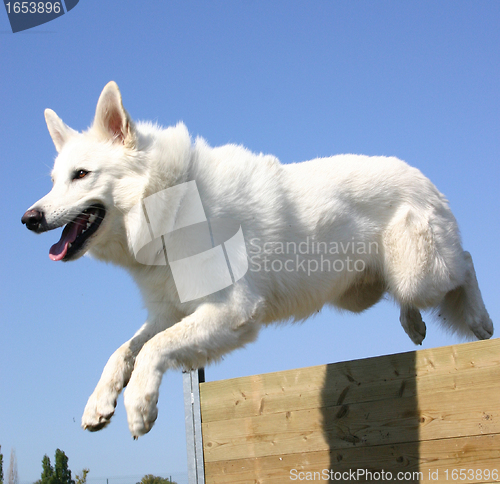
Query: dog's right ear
x=57 y=129
x=111 y=120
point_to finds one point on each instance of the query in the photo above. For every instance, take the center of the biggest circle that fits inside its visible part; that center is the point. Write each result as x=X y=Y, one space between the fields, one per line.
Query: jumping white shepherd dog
x=343 y=231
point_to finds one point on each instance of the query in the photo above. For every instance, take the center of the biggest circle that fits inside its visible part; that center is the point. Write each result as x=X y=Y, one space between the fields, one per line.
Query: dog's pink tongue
x=59 y=250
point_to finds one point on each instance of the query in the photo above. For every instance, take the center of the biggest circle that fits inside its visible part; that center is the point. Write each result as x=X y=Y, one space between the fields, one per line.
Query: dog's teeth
x=89 y=224
x=92 y=218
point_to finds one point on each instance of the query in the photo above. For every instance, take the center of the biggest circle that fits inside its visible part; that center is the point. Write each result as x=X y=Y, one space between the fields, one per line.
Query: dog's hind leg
x=422 y=262
x=462 y=309
x=412 y=323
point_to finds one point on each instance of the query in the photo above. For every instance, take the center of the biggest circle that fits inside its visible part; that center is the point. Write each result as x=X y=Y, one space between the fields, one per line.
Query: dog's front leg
x=115 y=376
x=211 y=331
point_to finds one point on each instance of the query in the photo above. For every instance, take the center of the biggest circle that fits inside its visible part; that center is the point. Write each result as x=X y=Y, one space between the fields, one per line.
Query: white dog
x=343 y=231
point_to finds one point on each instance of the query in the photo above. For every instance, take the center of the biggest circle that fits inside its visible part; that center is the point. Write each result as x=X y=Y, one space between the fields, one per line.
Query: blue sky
x=418 y=80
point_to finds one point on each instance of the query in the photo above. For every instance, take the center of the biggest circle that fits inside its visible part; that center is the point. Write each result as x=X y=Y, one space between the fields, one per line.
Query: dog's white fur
x=420 y=262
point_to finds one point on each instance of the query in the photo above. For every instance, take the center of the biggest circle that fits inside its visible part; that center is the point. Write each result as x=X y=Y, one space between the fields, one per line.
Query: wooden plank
x=431 y=410
x=371 y=379
x=443 y=415
x=434 y=459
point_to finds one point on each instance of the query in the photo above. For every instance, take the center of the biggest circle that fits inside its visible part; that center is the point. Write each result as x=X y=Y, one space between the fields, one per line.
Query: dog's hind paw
x=412 y=323
x=99 y=410
x=483 y=329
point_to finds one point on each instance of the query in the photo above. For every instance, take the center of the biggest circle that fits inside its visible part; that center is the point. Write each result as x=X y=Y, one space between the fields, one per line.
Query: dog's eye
x=79 y=174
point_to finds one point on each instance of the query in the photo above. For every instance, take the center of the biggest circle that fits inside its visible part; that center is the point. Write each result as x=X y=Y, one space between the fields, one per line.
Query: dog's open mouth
x=77 y=232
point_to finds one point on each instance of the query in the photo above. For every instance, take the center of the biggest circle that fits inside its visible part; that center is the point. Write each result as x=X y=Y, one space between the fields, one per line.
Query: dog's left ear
x=57 y=129
x=111 y=119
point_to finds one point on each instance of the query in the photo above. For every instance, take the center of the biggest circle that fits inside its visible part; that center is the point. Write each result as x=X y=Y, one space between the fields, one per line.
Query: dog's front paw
x=141 y=410
x=99 y=409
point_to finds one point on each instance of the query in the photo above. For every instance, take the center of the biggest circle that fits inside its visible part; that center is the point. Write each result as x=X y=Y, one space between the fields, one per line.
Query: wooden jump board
x=424 y=416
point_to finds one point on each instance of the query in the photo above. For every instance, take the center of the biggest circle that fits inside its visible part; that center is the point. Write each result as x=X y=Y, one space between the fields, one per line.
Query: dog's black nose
x=32 y=219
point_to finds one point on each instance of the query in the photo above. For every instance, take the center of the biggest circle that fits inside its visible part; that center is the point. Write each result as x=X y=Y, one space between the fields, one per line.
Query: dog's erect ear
x=111 y=119
x=57 y=129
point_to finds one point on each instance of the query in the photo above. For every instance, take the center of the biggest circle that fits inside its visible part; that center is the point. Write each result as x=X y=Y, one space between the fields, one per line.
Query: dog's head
x=88 y=175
